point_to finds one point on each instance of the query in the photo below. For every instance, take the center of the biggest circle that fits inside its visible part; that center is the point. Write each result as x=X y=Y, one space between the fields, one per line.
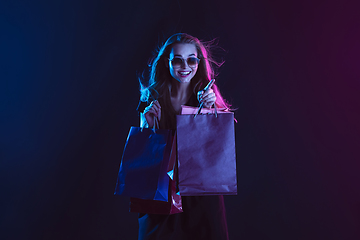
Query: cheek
x=172 y=71
x=195 y=71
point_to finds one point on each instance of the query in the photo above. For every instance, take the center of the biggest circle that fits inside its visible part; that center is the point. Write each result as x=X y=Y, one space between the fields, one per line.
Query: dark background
x=69 y=90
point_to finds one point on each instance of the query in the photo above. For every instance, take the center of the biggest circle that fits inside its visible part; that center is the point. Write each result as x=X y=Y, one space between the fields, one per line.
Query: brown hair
x=160 y=76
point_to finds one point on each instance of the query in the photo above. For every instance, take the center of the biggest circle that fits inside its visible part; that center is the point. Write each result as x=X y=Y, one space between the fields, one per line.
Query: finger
x=207 y=97
x=209 y=104
x=149 y=119
x=152 y=106
x=159 y=115
x=207 y=92
x=150 y=111
x=209 y=101
x=148 y=108
x=157 y=104
x=155 y=107
x=199 y=95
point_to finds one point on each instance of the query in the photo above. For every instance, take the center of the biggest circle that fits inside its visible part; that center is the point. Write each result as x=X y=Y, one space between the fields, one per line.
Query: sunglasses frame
x=183 y=60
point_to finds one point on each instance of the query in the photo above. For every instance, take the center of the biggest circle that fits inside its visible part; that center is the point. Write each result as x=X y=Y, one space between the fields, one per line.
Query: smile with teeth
x=185 y=73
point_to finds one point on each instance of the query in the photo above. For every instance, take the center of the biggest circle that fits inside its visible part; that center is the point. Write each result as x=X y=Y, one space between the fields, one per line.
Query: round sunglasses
x=177 y=62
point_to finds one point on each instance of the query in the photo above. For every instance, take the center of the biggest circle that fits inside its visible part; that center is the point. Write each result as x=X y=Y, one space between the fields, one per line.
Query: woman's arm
x=143 y=122
x=150 y=113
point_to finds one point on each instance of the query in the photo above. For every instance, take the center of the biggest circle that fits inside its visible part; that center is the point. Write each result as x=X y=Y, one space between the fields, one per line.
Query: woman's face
x=181 y=56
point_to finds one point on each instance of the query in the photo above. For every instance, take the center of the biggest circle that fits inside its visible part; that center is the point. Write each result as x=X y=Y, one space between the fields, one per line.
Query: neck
x=180 y=90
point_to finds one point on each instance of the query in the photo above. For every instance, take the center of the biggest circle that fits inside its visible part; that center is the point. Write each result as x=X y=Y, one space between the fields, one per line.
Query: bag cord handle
x=199 y=110
x=156 y=124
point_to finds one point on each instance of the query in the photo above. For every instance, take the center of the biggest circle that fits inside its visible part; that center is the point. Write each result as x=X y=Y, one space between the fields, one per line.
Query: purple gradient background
x=69 y=91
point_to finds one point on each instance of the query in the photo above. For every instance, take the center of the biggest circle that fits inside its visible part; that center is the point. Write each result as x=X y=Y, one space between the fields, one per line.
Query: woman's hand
x=151 y=112
x=208 y=97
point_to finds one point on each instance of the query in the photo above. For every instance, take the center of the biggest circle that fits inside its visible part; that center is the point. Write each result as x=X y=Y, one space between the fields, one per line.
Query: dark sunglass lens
x=192 y=61
x=176 y=62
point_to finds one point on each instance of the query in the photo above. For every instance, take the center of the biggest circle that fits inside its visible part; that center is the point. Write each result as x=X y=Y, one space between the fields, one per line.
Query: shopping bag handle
x=199 y=111
x=155 y=126
x=209 y=85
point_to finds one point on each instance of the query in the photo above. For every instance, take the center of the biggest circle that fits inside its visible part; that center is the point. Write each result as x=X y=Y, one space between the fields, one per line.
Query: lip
x=183 y=76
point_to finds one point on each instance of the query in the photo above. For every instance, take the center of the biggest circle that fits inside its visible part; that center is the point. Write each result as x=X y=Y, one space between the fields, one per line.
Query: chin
x=185 y=80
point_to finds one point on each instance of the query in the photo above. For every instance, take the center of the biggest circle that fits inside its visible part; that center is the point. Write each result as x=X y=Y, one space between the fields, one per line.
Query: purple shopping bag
x=174 y=205
x=206 y=154
x=144 y=164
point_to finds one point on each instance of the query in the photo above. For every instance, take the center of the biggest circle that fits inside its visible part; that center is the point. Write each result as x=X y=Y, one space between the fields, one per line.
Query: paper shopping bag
x=144 y=164
x=206 y=154
x=174 y=205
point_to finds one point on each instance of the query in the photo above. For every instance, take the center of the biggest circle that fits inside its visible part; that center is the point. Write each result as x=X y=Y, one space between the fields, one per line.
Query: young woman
x=181 y=69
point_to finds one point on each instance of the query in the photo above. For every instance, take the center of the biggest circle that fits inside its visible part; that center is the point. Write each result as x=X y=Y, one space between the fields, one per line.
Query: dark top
x=203 y=217
x=168 y=113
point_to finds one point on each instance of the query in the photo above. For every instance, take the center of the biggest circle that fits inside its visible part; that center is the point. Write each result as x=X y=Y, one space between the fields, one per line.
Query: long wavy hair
x=160 y=78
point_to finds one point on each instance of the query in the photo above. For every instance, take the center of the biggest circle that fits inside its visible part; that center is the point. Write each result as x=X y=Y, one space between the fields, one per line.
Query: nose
x=184 y=63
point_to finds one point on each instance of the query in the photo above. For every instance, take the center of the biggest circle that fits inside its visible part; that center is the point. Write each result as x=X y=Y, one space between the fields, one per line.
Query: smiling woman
x=182 y=67
x=182 y=70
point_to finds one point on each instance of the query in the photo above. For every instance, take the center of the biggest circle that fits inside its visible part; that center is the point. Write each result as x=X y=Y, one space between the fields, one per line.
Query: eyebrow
x=178 y=55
